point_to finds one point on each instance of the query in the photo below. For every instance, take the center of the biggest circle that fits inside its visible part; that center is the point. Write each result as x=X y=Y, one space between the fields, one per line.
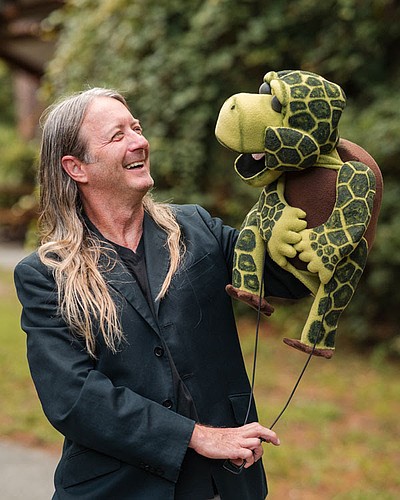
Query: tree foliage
x=17 y=157
x=17 y=172
x=178 y=61
x=7 y=111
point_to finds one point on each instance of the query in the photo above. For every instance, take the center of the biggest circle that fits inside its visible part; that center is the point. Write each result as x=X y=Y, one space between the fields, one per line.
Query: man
x=131 y=338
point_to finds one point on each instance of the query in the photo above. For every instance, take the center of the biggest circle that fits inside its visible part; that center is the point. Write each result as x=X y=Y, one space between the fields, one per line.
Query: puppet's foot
x=324 y=353
x=250 y=299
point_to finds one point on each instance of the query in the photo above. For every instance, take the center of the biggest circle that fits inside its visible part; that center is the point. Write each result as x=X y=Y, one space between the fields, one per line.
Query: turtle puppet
x=318 y=208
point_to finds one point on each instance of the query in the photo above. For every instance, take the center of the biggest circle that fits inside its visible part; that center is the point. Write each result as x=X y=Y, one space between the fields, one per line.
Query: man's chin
x=146 y=186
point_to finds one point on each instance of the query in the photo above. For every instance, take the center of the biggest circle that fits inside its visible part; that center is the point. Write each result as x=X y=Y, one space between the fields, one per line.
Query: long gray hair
x=66 y=245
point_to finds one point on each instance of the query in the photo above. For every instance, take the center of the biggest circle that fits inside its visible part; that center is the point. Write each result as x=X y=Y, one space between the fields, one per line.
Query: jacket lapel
x=122 y=281
x=157 y=257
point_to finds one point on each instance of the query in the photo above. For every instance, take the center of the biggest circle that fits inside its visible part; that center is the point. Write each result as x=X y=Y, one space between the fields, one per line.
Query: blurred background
x=177 y=62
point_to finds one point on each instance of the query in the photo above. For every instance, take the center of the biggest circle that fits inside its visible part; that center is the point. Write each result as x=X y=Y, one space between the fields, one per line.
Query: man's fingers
x=258 y=453
x=271 y=437
x=235 y=444
x=262 y=433
x=251 y=443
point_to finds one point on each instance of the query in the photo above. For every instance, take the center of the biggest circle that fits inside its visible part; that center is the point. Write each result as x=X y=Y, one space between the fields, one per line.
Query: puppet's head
x=293 y=120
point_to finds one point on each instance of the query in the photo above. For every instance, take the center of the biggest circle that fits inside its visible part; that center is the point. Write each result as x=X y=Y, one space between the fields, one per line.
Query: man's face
x=118 y=151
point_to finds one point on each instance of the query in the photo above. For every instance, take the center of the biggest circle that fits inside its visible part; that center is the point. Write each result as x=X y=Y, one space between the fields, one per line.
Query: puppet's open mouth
x=247 y=166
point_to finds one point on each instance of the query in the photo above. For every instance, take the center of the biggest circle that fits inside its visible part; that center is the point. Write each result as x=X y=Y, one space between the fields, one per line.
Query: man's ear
x=74 y=168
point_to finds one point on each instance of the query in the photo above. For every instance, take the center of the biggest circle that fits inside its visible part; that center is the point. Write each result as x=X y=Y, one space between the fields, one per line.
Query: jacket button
x=159 y=351
x=167 y=403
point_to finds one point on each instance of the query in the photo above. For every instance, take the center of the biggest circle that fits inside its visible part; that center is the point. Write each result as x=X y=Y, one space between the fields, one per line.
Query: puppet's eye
x=276 y=105
x=264 y=89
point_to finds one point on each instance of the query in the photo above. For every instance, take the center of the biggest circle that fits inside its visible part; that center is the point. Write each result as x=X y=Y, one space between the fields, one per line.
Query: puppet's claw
x=250 y=299
x=324 y=353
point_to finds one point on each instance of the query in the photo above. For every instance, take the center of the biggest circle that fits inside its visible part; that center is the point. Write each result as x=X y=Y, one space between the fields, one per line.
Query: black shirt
x=136 y=265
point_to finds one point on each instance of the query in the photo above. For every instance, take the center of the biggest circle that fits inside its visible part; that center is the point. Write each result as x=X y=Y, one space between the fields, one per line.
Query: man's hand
x=236 y=444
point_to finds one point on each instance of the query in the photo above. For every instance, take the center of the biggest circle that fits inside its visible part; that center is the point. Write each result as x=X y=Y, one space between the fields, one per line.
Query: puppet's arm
x=323 y=247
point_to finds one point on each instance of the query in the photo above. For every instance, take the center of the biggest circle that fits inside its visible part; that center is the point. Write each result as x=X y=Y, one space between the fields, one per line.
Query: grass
x=339 y=435
x=21 y=416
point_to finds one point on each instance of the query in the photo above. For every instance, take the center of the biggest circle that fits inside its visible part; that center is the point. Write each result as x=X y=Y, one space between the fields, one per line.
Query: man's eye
x=118 y=136
x=138 y=129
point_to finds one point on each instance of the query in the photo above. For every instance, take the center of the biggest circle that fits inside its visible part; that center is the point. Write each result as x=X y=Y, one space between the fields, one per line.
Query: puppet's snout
x=242 y=122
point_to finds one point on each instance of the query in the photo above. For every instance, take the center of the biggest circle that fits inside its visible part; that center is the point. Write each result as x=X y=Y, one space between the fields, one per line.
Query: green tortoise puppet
x=317 y=212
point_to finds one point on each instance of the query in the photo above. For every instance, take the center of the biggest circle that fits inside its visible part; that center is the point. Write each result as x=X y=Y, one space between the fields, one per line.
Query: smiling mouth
x=134 y=165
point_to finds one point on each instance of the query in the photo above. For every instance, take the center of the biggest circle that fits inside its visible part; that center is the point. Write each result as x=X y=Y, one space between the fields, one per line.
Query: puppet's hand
x=308 y=253
x=286 y=234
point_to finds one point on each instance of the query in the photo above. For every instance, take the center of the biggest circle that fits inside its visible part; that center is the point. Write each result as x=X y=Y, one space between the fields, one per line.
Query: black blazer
x=123 y=437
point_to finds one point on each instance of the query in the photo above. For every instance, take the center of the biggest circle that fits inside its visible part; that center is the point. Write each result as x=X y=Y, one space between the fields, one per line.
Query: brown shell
x=314 y=190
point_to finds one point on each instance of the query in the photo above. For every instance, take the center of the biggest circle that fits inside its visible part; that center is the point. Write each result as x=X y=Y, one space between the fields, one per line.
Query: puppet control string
x=228 y=465
x=255 y=359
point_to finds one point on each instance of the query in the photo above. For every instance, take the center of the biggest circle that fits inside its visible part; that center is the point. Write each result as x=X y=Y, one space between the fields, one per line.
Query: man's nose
x=137 y=141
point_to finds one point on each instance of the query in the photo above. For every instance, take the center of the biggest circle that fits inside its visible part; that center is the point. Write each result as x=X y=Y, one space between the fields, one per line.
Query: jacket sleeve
x=80 y=401
x=278 y=282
